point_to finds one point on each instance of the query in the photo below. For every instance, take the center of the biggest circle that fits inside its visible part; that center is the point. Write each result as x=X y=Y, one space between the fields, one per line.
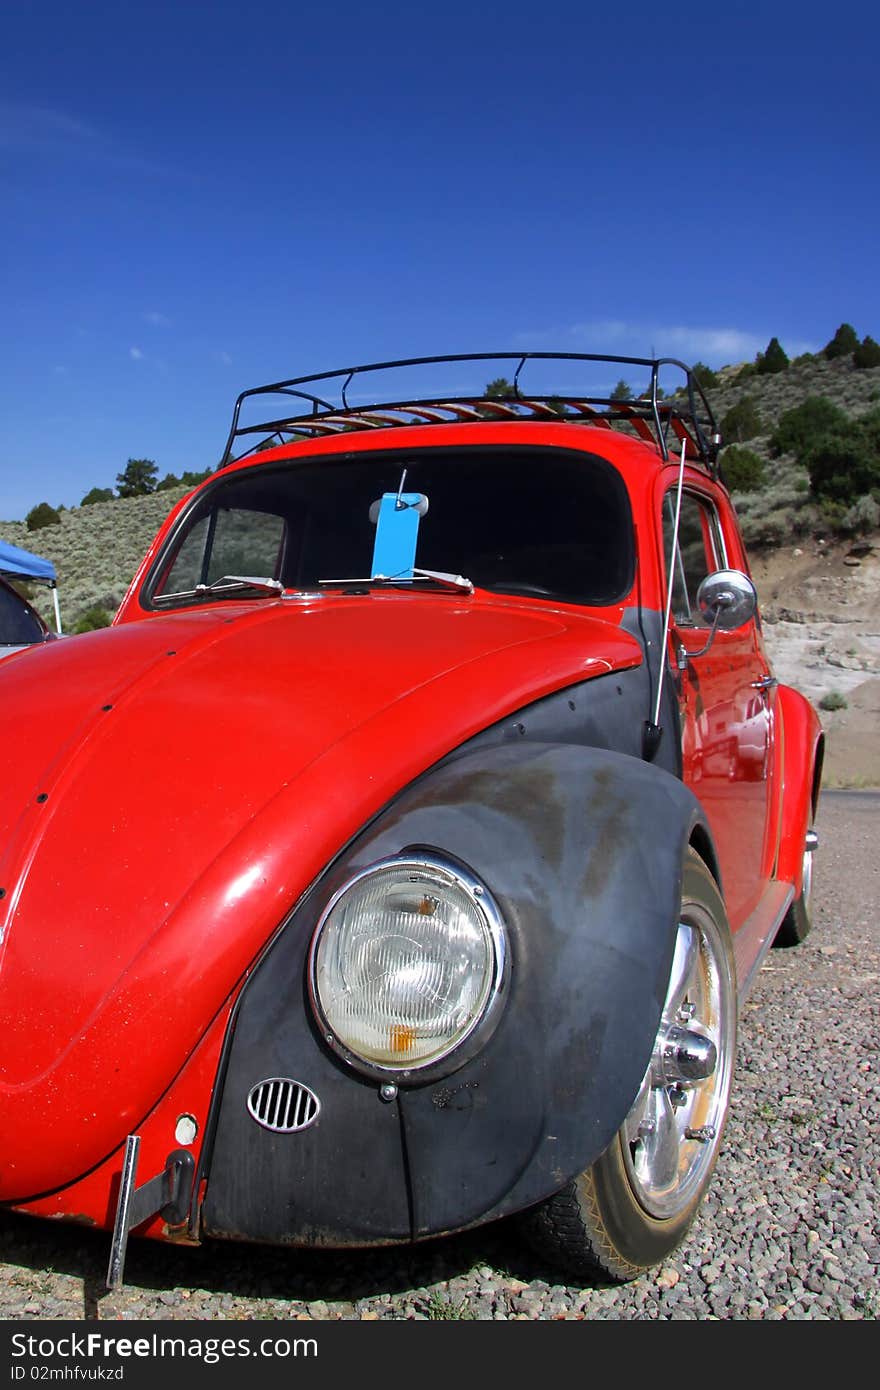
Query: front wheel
x=633 y=1206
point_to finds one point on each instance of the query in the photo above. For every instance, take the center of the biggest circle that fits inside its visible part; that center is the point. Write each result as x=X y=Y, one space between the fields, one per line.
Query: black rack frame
x=651 y=416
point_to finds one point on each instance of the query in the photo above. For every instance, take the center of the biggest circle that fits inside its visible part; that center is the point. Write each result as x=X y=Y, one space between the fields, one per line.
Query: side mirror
x=727 y=599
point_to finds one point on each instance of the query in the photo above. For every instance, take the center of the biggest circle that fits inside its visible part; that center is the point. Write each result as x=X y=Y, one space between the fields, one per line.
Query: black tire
x=617 y=1219
x=798 y=920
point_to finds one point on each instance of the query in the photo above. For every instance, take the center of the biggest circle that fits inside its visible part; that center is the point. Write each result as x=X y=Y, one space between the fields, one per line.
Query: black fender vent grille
x=282 y=1105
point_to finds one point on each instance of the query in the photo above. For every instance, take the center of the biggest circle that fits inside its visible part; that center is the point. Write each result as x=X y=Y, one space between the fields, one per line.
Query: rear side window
x=19 y=623
x=550 y=522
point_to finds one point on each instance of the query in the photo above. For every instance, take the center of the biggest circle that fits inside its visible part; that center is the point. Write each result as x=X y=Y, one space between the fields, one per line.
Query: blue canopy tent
x=21 y=564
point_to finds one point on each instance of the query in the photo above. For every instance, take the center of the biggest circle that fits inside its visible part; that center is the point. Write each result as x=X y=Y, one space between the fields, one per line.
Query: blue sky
x=197 y=198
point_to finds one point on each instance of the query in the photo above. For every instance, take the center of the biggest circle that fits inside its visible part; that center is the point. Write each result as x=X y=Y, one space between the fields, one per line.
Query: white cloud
x=41 y=131
x=28 y=128
x=156 y=319
x=724 y=344
x=135 y=354
x=715 y=346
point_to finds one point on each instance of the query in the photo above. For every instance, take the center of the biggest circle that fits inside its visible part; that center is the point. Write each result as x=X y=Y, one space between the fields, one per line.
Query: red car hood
x=170 y=787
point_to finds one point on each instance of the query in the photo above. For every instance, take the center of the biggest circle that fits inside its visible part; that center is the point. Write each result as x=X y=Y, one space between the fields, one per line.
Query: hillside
x=96 y=550
x=784 y=506
x=820 y=592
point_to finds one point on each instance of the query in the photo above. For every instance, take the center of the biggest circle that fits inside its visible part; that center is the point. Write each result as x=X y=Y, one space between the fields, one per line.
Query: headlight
x=406 y=961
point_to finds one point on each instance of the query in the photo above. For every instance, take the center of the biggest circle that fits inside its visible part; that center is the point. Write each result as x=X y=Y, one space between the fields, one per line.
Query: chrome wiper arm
x=405 y=581
x=454 y=581
x=241 y=581
x=226 y=584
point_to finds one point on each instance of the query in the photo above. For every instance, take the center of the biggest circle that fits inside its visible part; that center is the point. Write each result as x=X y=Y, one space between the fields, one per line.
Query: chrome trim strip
x=762 y=925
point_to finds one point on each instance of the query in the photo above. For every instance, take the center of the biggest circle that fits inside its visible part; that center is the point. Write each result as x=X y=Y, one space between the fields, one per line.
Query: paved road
x=789 y=1229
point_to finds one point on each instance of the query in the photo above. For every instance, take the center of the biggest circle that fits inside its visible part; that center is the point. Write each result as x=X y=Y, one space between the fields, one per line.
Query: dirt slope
x=821 y=606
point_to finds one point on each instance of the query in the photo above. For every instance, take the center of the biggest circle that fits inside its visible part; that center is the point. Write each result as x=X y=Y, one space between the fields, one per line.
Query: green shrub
x=621 y=392
x=833 y=514
x=742 y=421
x=797 y=429
x=742 y=469
x=767 y=529
x=93 y=619
x=705 y=376
x=42 y=515
x=833 y=700
x=773 y=359
x=867 y=354
x=863 y=516
x=843 y=343
x=97 y=494
x=170 y=480
x=845 y=464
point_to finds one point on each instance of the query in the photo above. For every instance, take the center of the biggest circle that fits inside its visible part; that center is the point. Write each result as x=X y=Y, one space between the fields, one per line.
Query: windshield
x=551 y=522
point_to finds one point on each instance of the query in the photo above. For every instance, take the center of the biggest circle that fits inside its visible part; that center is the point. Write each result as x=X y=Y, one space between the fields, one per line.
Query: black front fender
x=582 y=851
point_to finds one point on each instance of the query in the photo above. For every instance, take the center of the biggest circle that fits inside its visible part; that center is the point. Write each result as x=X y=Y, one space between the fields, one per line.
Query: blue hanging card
x=397 y=532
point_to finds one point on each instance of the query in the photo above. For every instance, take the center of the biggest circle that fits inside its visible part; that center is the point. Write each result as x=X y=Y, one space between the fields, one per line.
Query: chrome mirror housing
x=727 y=599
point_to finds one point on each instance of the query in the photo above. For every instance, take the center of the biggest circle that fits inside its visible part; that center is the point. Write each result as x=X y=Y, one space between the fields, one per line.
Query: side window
x=700 y=552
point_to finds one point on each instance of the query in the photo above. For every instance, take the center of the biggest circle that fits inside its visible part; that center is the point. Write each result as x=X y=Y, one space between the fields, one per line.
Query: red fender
x=803 y=746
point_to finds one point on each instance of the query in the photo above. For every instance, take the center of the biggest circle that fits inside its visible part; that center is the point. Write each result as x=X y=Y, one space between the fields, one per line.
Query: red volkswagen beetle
x=400 y=857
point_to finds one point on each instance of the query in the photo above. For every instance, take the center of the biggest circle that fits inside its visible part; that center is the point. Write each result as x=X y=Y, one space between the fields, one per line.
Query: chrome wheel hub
x=671 y=1134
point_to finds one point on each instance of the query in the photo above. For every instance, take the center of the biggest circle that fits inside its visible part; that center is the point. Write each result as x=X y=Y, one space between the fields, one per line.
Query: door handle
x=764 y=682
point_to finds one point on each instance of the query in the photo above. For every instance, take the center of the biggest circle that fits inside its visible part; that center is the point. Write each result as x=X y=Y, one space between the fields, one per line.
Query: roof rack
x=652 y=415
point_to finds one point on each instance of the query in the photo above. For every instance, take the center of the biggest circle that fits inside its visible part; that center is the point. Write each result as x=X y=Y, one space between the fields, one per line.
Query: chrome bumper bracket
x=168 y=1194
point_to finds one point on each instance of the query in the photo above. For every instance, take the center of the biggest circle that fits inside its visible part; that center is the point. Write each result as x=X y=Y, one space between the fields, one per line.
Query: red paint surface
x=171 y=786
x=244 y=744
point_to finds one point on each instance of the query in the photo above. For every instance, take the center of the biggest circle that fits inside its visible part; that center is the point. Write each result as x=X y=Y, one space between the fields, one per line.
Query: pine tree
x=843 y=343
x=867 y=354
x=138 y=478
x=773 y=359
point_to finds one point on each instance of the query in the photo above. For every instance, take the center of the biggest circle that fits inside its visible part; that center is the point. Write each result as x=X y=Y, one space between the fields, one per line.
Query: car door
x=727 y=702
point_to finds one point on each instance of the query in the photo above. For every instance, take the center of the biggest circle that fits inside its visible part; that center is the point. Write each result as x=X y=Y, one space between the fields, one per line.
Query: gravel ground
x=789 y=1230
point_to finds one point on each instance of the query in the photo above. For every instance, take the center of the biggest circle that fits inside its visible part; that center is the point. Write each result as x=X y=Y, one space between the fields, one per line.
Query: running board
x=757 y=934
x=167 y=1193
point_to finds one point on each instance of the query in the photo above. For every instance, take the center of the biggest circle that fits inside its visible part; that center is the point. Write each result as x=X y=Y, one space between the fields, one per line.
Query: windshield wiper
x=439 y=577
x=451 y=581
x=227 y=583
x=241 y=581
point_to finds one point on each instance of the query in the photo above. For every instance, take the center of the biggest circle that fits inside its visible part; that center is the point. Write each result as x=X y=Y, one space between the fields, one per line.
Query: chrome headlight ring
x=407 y=967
